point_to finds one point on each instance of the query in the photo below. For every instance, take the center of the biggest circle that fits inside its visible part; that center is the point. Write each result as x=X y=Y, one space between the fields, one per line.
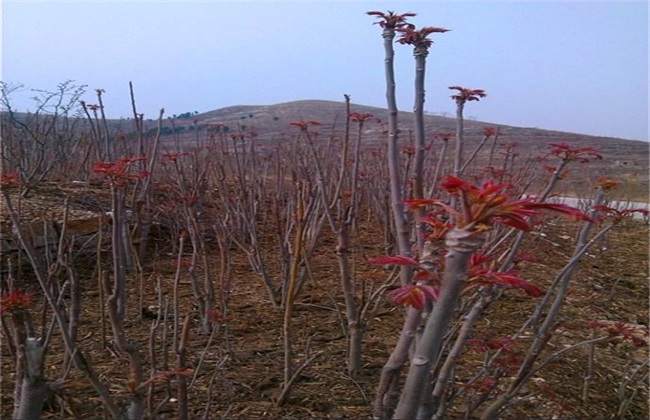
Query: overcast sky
x=572 y=66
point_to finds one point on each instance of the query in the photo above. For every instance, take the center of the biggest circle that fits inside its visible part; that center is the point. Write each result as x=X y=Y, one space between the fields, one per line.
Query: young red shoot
x=9 y=180
x=567 y=153
x=607 y=184
x=15 y=301
x=414 y=295
x=445 y=135
x=465 y=94
x=391 y=20
x=304 y=125
x=489 y=131
x=490 y=204
x=419 y=38
x=617 y=215
x=359 y=117
x=215 y=316
x=638 y=335
x=482 y=272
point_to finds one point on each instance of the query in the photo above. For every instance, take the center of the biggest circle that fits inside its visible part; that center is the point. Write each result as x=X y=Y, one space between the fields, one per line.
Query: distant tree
x=41 y=142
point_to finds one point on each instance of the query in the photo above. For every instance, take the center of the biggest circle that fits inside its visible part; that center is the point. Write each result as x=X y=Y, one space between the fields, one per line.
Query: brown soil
x=245 y=358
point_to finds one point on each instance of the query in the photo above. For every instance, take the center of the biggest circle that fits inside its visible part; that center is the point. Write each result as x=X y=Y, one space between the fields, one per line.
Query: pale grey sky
x=571 y=66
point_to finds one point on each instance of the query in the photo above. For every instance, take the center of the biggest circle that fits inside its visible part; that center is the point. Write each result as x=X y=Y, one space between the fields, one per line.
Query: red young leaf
x=418 y=38
x=507 y=279
x=489 y=131
x=14 y=301
x=567 y=153
x=638 y=335
x=359 y=117
x=391 y=20
x=303 y=125
x=490 y=203
x=418 y=203
x=617 y=215
x=8 y=180
x=607 y=184
x=414 y=295
x=510 y=279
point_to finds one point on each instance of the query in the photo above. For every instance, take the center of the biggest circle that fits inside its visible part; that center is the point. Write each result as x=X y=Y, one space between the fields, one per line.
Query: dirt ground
x=242 y=367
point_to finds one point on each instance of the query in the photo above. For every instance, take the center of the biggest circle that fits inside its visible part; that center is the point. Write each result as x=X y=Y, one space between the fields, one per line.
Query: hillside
x=623 y=159
x=626 y=160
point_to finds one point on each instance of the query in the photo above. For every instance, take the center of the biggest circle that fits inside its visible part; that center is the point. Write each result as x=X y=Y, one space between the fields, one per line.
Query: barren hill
x=624 y=159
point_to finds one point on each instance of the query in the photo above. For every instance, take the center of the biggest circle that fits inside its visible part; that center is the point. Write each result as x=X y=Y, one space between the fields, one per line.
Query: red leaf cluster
x=304 y=125
x=9 y=180
x=466 y=94
x=215 y=316
x=506 y=279
x=638 y=335
x=607 y=184
x=482 y=272
x=418 y=38
x=359 y=117
x=391 y=20
x=414 y=295
x=438 y=228
x=489 y=131
x=616 y=215
x=15 y=301
x=490 y=204
x=445 y=135
x=119 y=173
x=567 y=153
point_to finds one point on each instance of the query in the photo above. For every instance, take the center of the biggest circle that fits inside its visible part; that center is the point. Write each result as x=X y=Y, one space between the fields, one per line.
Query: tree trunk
x=420 y=54
x=417 y=390
x=401 y=229
x=355 y=327
x=34 y=386
x=458 y=156
x=386 y=398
